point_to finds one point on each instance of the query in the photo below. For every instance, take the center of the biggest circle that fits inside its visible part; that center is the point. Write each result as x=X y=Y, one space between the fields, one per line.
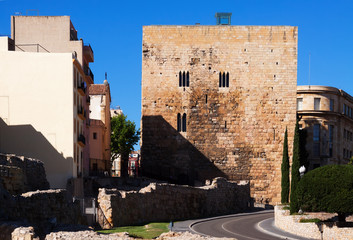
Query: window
x=184 y=79
x=316 y=140
x=94 y=135
x=223 y=79
x=299 y=103
x=331 y=105
x=316 y=133
x=330 y=130
x=184 y=123
x=316 y=103
x=179 y=123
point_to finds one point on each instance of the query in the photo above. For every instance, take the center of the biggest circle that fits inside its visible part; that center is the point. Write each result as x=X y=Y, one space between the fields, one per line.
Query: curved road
x=243 y=227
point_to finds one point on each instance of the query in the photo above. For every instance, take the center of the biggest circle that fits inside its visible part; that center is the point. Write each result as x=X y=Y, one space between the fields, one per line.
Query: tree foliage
x=295 y=176
x=285 y=170
x=124 y=136
x=329 y=189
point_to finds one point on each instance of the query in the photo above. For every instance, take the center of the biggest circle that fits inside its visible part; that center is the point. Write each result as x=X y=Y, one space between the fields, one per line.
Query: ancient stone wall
x=196 y=127
x=20 y=174
x=168 y=202
x=40 y=209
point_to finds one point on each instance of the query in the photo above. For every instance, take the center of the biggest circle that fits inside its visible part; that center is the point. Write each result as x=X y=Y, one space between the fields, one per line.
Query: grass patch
x=286 y=208
x=314 y=220
x=149 y=231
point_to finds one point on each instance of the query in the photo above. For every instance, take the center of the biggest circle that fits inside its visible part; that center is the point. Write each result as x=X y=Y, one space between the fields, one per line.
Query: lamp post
x=301 y=171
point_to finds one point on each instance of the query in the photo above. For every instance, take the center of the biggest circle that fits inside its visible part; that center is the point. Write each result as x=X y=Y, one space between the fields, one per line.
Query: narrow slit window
x=178 y=122
x=184 y=79
x=206 y=98
x=184 y=123
x=227 y=80
x=180 y=81
x=224 y=80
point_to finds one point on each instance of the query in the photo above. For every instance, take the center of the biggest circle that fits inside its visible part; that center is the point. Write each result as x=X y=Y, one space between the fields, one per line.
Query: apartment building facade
x=43 y=87
x=100 y=129
x=216 y=101
x=326 y=115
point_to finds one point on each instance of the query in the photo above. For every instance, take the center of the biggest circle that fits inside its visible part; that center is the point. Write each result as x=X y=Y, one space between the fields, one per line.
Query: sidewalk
x=266 y=226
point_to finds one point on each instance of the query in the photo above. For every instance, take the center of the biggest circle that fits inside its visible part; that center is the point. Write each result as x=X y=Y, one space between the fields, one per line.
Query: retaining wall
x=323 y=230
x=168 y=202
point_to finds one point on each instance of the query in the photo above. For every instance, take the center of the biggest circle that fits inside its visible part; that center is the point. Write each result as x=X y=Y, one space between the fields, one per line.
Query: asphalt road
x=239 y=227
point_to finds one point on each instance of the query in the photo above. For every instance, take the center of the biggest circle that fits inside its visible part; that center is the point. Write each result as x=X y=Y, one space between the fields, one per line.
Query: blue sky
x=114 y=30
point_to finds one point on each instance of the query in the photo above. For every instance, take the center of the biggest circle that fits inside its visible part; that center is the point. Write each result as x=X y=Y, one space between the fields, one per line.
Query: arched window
x=180 y=81
x=184 y=79
x=178 y=122
x=184 y=123
x=224 y=80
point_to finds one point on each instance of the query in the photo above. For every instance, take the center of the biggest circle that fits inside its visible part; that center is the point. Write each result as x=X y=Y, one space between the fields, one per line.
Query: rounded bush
x=327 y=189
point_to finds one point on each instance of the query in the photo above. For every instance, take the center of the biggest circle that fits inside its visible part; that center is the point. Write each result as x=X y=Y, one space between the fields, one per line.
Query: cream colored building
x=100 y=128
x=43 y=97
x=326 y=115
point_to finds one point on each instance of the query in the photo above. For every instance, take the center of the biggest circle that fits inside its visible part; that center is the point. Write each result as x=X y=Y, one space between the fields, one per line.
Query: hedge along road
x=242 y=227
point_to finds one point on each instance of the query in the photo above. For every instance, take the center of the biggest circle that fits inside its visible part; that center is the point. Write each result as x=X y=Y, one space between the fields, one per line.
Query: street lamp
x=302 y=171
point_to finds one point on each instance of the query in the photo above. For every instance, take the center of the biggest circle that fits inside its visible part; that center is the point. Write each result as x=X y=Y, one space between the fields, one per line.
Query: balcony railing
x=88 y=72
x=81 y=140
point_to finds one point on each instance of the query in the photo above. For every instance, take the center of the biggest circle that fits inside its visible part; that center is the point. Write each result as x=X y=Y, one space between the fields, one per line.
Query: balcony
x=88 y=53
x=81 y=140
x=81 y=113
x=88 y=73
x=82 y=89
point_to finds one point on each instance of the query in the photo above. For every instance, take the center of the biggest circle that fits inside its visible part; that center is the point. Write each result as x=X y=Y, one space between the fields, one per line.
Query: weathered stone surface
x=20 y=174
x=41 y=209
x=186 y=236
x=168 y=202
x=329 y=230
x=234 y=132
x=85 y=235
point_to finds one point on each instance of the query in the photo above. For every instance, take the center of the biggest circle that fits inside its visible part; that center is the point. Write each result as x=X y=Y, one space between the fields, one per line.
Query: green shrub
x=295 y=170
x=328 y=189
x=314 y=220
x=285 y=171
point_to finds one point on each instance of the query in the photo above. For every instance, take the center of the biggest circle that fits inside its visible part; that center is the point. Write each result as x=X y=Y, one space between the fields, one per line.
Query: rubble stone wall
x=20 y=174
x=168 y=202
x=290 y=223
x=233 y=131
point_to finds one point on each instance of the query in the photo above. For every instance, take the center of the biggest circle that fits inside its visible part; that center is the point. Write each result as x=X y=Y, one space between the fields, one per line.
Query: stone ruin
x=162 y=202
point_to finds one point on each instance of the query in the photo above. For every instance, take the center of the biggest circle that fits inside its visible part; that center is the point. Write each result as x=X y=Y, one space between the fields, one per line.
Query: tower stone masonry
x=216 y=101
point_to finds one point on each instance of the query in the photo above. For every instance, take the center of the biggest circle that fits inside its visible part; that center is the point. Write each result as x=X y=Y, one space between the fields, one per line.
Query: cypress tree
x=285 y=170
x=295 y=170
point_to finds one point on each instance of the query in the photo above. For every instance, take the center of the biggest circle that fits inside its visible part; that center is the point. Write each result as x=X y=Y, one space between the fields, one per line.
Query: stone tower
x=216 y=101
